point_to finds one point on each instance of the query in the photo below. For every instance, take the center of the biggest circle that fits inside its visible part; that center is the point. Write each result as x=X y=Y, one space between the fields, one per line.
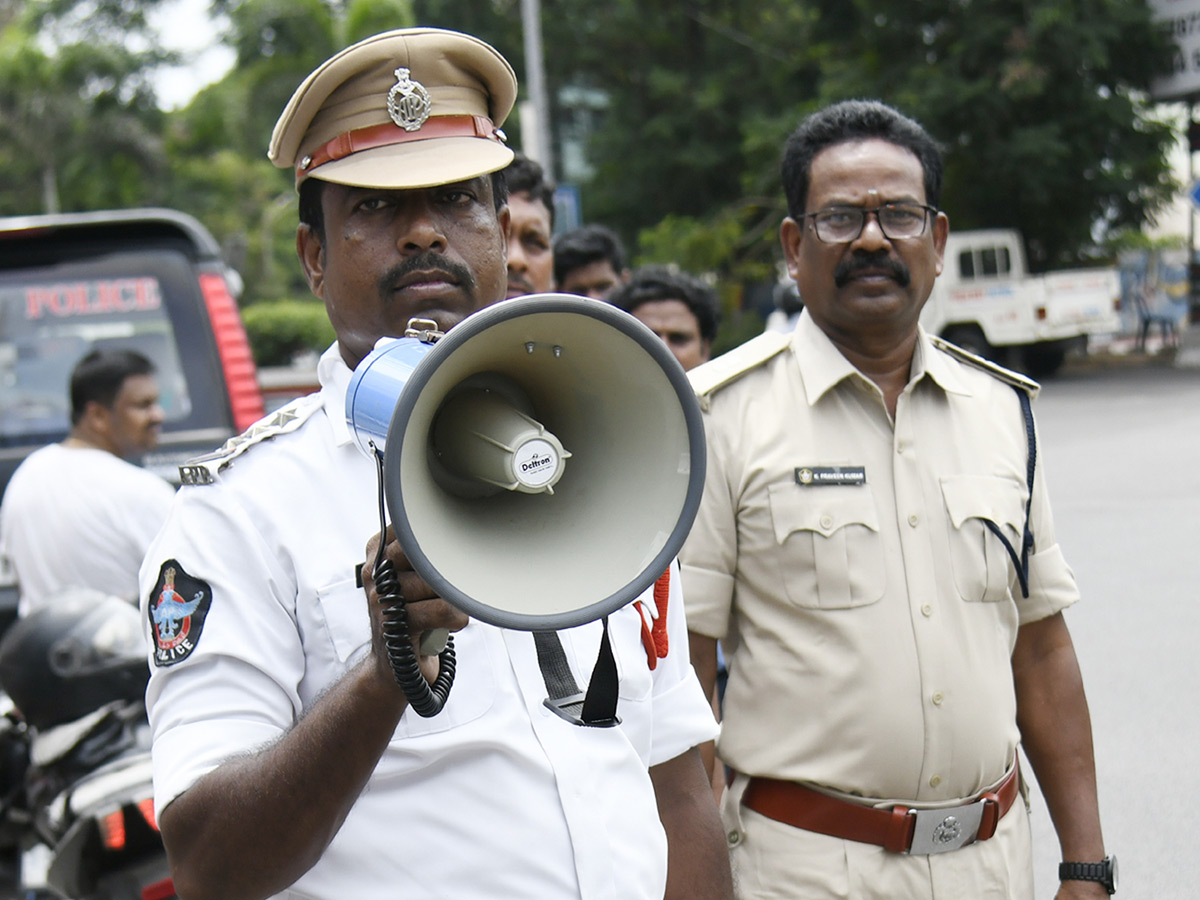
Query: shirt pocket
x=828 y=545
x=582 y=643
x=477 y=650
x=343 y=606
x=347 y=621
x=981 y=564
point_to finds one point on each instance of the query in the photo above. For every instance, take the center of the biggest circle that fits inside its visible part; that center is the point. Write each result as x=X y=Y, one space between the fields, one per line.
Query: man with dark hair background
x=678 y=307
x=530 y=228
x=80 y=513
x=589 y=261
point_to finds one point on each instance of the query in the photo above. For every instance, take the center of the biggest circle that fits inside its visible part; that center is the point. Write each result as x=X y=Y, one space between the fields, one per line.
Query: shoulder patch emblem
x=177 y=610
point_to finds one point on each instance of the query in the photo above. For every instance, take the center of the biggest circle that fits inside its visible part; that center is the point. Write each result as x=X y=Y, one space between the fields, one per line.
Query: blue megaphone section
x=375 y=387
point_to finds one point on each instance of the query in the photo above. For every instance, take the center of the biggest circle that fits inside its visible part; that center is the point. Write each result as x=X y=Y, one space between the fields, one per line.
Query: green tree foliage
x=79 y=123
x=218 y=143
x=1041 y=107
x=1040 y=104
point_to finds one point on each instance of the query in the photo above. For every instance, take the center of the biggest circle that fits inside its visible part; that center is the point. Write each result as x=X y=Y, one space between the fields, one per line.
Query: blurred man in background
x=589 y=261
x=80 y=513
x=531 y=224
x=678 y=307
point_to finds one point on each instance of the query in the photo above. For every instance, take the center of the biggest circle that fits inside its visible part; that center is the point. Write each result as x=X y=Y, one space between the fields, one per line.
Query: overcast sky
x=186 y=28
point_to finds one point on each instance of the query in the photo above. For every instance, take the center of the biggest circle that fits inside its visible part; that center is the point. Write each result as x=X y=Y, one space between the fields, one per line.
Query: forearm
x=697 y=859
x=1056 y=733
x=257 y=823
x=703 y=651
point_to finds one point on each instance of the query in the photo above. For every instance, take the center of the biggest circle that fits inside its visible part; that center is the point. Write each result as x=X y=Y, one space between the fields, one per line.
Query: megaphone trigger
x=434 y=641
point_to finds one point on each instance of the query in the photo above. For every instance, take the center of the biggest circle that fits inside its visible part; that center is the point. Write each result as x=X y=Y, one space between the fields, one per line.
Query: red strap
x=654 y=636
x=387 y=133
x=662 y=591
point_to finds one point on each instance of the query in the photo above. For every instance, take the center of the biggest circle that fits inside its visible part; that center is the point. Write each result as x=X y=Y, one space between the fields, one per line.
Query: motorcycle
x=75 y=781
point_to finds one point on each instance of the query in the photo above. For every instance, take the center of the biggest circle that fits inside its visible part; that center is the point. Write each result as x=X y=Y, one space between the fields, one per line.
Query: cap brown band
x=387 y=133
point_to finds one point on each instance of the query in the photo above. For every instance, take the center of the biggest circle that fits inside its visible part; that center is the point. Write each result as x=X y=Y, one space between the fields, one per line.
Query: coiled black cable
x=425 y=699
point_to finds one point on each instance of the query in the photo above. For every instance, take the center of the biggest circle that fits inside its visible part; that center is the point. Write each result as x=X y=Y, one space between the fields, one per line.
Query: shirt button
x=935 y=781
x=927 y=610
x=913 y=519
x=734 y=837
x=938 y=699
x=827 y=522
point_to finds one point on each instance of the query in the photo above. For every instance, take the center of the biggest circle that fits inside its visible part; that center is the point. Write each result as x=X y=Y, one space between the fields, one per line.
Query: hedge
x=280 y=330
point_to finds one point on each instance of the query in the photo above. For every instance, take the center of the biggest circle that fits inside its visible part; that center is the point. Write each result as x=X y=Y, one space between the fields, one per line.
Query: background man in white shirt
x=78 y=513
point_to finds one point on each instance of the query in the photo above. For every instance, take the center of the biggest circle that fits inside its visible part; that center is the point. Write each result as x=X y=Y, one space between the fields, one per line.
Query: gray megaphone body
x=542 y=462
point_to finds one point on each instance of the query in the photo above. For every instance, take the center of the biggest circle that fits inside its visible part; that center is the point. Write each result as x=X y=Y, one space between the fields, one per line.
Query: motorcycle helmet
x=80 y=651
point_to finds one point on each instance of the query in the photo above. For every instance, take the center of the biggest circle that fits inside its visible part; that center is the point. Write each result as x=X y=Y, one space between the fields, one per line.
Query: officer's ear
x=941 y=229
x=311 y=250
x=791 y=233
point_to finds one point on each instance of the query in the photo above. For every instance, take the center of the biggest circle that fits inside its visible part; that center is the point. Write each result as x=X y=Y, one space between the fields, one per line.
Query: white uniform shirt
x=496 y=796
x=79 y=517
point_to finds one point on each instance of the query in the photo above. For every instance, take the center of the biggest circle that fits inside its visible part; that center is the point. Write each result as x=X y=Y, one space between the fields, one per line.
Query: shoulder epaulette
x=1008 y=376
x=729 y=367
x=204 y=469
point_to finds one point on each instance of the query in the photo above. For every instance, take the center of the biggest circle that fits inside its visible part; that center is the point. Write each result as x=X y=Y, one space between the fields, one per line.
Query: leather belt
x=899 y=829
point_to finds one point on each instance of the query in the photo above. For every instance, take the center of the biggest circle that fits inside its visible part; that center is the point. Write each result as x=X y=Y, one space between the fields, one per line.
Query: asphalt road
x=1121 y=446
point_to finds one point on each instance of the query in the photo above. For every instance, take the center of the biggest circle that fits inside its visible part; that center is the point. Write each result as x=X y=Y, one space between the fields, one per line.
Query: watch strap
x=1087 y=871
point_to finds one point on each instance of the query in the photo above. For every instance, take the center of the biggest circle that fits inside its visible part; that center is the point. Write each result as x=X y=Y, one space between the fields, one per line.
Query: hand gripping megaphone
x=542 y=462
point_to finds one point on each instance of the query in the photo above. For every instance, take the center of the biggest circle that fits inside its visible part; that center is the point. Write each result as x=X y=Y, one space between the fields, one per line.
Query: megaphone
x=542 y=461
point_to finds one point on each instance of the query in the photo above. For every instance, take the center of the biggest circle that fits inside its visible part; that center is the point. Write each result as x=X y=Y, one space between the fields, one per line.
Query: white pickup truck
x=986 y=301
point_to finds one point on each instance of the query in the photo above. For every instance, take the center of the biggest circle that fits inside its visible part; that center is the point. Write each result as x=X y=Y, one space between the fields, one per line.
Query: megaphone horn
x=542 y=462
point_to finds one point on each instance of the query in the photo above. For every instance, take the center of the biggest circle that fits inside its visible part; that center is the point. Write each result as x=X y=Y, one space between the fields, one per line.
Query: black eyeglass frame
x=864 y=212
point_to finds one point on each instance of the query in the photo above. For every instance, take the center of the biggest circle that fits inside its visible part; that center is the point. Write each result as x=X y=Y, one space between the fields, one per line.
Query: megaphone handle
x=434 y=641
x=425 y=699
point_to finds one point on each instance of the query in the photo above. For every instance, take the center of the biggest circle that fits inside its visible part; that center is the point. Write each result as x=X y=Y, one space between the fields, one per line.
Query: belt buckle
x=946 y=829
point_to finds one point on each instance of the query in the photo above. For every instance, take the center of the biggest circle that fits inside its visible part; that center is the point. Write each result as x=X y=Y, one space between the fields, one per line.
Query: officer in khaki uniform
x=861 y=553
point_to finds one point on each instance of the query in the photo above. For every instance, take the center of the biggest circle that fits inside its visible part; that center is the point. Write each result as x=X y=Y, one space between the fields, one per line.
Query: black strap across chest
x=598 y=707
x=1021 y=561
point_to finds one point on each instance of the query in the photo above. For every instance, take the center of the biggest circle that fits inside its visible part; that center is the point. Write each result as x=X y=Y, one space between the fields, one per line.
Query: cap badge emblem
x=408 y=102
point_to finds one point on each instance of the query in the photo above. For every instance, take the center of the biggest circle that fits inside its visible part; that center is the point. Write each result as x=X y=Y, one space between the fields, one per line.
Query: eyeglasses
x=897 y=221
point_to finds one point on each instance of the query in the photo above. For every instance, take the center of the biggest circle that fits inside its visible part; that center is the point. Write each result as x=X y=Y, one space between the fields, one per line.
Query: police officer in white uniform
x=860 y=552
x=287 y=762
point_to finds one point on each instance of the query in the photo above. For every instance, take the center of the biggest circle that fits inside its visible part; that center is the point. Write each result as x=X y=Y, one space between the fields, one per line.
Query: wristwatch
x=1104 y=872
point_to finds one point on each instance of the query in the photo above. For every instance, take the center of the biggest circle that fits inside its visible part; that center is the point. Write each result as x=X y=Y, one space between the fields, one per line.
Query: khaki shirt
x=869 y=626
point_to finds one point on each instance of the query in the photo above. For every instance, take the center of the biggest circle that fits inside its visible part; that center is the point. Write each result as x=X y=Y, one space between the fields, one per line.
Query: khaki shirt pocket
x=981 y=564
x=828 y=545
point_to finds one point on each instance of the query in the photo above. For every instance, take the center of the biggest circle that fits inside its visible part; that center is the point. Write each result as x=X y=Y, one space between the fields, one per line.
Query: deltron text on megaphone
x=543 y=461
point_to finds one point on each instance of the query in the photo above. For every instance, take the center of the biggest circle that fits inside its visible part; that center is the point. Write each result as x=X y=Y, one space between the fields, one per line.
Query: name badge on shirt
x=807 y=476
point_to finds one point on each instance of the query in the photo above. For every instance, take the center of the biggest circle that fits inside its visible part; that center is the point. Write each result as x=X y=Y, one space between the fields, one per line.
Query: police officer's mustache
x=426 y=262
x=871 y=262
